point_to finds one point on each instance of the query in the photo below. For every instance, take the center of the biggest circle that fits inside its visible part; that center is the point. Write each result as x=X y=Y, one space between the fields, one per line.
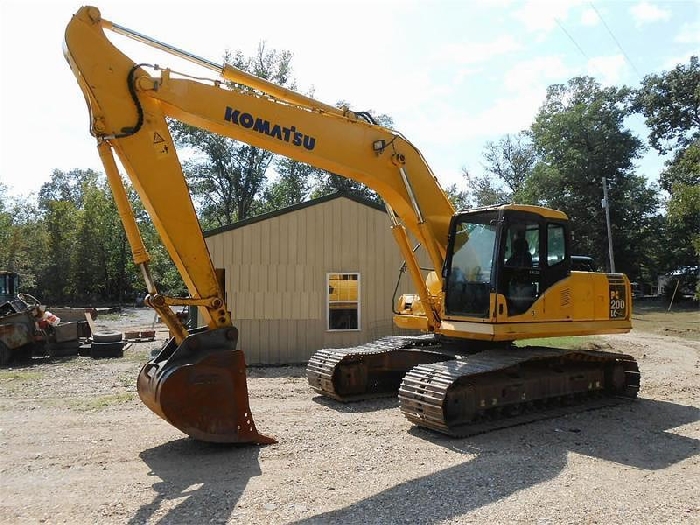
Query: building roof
x=296 y=207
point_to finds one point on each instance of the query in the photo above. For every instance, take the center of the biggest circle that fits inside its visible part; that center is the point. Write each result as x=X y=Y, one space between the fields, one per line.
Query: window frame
x=329 y=302
x=565 y=255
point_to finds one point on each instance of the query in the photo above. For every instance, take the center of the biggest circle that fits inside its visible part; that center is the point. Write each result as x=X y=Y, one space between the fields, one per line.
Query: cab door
x=520 y=274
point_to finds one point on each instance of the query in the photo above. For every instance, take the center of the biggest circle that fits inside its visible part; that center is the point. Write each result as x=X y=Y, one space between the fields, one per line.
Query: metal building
x=320 y=274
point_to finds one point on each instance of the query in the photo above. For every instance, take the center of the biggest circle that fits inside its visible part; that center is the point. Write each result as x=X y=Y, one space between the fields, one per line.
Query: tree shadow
x=634 y=434
x=196 y=471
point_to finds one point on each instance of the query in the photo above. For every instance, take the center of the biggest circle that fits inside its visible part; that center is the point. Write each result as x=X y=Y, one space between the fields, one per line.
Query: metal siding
x=276 y=278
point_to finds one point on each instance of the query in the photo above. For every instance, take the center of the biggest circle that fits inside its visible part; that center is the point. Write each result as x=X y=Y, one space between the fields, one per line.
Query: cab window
x=556 y=244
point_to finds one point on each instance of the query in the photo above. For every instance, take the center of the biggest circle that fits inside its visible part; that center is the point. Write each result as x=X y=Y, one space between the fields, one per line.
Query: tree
x=484 y=190
x=511 y=160
x=23 y=239
x=65 y=186
x=332 y=183
x=6 y=234
x=292 y=187
x=508 y=164
x=100 y=267
x=681 y=179
x=458 y=198
x=579 y=136
x=228 y=177
x=670 y=103
x=56 y=280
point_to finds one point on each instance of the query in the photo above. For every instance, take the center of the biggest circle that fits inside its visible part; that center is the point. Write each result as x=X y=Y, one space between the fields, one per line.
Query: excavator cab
x=516 y=253
x=9 y=286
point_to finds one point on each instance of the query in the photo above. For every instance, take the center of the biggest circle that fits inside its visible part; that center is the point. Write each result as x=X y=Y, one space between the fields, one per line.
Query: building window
x=343 y=301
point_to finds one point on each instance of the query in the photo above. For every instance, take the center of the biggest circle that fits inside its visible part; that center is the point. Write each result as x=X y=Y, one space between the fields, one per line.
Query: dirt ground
x=77 y=446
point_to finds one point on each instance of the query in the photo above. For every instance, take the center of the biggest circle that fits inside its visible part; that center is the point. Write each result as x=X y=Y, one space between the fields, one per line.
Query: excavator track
x=371 y=370
x=502 y=388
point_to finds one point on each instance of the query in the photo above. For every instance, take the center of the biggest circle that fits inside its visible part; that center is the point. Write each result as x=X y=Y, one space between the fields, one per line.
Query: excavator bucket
x=200 y=388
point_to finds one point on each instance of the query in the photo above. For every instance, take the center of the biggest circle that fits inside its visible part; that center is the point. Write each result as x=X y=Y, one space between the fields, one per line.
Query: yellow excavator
x=502 y=273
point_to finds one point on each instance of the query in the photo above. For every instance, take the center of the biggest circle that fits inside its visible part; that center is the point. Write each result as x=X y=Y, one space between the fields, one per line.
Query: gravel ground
x=77 y=446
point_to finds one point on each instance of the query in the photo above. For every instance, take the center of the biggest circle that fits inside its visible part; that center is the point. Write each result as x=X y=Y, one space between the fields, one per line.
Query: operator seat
x=521 y=291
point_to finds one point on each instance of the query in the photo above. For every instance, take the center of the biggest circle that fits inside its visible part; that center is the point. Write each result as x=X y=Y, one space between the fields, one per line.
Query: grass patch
x=137 y=356
x=101 y=402
x=127 y=380
x=682 y=321
x=7 y=376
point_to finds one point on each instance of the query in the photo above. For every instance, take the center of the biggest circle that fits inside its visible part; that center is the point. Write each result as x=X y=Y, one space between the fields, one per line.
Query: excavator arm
x=129 y=105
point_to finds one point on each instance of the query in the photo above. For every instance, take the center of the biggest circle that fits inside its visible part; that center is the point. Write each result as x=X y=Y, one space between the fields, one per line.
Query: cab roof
x=547 y=213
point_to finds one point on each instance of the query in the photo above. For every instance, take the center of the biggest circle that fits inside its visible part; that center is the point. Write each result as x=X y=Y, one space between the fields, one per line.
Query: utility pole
x=606 y=205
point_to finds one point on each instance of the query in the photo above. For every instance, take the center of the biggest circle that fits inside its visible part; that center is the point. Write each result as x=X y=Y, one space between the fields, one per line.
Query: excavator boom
x=189 y=384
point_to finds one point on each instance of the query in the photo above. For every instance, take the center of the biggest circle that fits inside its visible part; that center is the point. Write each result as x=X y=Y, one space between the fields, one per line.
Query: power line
x=571 y=38
x=614 y=39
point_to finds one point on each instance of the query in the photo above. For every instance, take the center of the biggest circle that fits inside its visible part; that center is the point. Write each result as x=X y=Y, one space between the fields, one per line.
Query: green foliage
x=60 y=220
x=65 y=186
x=71 y=248
x=227 y=177
x=292 y=187
x=91 y=266
x=508 y=164
x=511 y=160
x=484 y=190
x=458 y=198
x=331 y=183
x=670 y=103
x=580 y=139
x=23 y=238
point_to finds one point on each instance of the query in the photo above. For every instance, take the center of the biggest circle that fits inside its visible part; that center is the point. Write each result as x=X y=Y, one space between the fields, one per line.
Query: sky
x=453 y=74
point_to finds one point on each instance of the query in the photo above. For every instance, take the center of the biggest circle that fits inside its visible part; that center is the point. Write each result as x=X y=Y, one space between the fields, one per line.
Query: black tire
x=67 y=349
x=107 y=336
x=24 y=354
x=98 y=350
x=5 y=355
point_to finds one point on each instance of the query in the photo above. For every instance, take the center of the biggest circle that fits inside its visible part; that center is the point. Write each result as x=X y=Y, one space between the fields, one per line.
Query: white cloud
x=511 y=114
x=608 y=70
x=535 y=73
x=543 y=15
x=689 y=33
x=589 y=18
x=646 y=13
x=673 y=61
x=511 y=111
x=477 y=52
